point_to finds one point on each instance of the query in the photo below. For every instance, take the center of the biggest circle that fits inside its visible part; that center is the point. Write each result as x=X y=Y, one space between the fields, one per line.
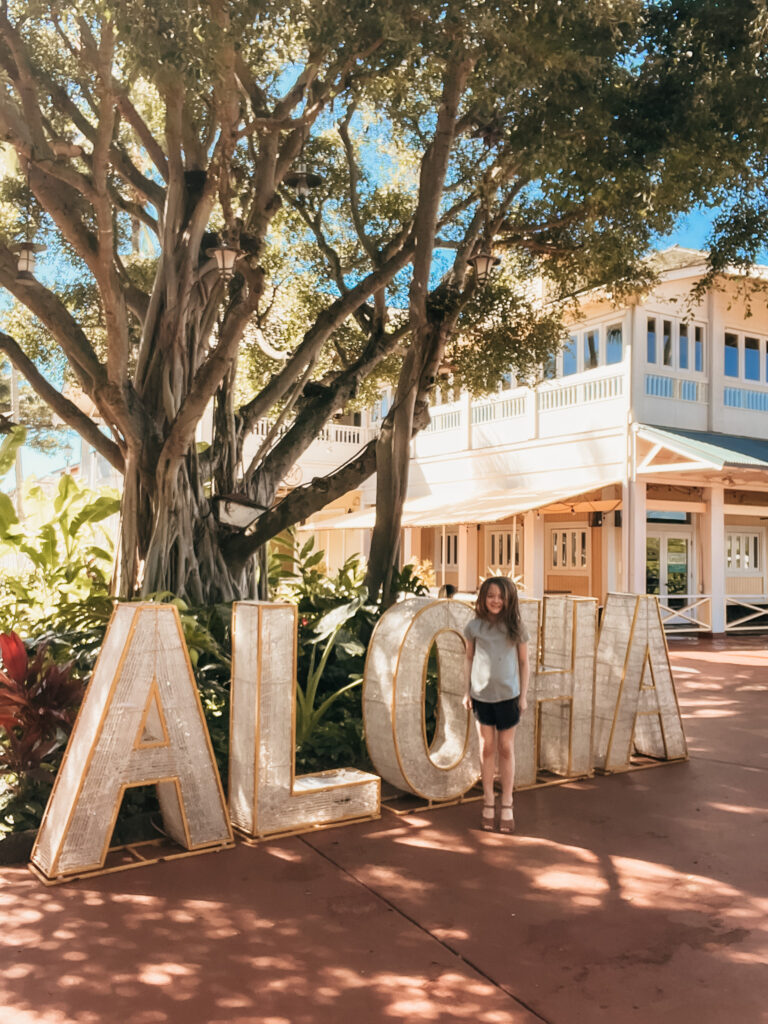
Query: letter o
x=393 y=700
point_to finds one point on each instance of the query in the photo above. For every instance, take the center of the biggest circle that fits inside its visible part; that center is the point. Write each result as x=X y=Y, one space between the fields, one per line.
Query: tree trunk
x=170 y=541
x=408 y=415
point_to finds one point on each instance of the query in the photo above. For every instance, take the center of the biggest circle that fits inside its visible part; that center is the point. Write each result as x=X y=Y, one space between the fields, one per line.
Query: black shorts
x=504 y=714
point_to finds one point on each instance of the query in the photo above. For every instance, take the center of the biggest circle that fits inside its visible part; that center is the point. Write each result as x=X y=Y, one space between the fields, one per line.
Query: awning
x=701 y=450
x=435 y=510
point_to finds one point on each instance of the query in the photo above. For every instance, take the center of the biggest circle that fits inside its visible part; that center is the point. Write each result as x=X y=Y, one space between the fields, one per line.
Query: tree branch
x=301 y=503
x=326 y=323
x=61 y=405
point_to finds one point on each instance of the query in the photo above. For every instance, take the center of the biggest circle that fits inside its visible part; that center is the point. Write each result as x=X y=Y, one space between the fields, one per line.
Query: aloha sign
x=592 y=701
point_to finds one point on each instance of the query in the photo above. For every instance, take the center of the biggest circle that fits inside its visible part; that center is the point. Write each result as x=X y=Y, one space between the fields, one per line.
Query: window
x=742 y=552
x=751 y=359
x=500 y=550
x=731 y=360
x=591 y=350
x=675 y=344
x=651 y=339
x=613 y=345
x=745 y=357
x=571 y=357
x=683 y=347
x=451 y=549
x=568 y=549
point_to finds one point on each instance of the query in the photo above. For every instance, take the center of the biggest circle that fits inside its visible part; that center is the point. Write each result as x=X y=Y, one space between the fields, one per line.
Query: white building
x=641 y=466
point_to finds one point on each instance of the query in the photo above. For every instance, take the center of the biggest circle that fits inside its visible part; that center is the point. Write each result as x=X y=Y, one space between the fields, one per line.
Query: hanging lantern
x=483 y=263
x=225 y=255
x=26 y=255
x=237 y=511
x=303 y=180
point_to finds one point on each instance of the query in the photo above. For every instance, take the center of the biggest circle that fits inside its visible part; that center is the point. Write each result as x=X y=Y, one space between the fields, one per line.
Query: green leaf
x=94 y=512
x=67 y=491
x=335 y=619
x=11 y=444
x=7 y=515
x=48 y=546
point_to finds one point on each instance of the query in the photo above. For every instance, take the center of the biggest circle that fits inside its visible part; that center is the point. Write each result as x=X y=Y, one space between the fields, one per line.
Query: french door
x=669 y=566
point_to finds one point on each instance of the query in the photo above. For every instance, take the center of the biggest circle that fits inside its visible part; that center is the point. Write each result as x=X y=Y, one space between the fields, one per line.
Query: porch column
x=533 y=555
x=634 y=522
x=468 y=558
x=713 y=551
x=408 y=545
x=610 y=581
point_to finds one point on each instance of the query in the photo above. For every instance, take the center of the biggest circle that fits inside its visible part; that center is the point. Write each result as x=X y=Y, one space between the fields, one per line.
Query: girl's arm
x=467 y=700
x=522 y=661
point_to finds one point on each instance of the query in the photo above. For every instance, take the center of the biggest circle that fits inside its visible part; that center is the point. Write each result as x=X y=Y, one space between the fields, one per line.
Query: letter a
x=635 y=700
x=141 y=723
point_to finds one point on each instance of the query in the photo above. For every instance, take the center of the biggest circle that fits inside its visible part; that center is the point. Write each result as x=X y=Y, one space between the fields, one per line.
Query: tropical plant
x=38 y=703
x=62 y=556
x=328 y=633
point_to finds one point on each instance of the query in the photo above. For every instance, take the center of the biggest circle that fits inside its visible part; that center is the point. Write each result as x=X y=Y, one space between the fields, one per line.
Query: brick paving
x=639 y=897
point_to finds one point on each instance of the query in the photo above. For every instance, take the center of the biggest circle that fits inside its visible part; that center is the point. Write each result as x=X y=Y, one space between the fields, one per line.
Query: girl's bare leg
x=506 y=741
x=487 y=736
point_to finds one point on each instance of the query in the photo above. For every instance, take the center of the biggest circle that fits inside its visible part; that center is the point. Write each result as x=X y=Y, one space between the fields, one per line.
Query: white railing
x=339 y=433
x=499 y=407
x=681 y=389
x=333 y=433
x=748 y=621
x=449 y=420
x=561 y=395
x=695 y=616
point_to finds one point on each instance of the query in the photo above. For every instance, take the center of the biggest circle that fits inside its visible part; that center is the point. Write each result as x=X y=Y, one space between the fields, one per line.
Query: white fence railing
x=754 y=617
x=692 y=614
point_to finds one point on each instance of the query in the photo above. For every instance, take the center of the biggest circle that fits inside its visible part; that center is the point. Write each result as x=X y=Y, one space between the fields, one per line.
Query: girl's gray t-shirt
x=495 y=667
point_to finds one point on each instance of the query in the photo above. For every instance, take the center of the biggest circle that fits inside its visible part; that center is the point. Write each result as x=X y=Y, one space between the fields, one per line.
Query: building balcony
x=523 y=414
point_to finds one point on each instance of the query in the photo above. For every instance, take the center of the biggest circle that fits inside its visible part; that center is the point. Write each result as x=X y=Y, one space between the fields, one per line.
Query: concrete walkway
x=635 y=898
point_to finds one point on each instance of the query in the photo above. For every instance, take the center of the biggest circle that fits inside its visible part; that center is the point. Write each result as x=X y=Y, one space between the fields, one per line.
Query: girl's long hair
x=510 y=614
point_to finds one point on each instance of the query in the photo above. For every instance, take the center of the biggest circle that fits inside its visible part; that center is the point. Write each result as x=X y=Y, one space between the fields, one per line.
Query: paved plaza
x=639 y=897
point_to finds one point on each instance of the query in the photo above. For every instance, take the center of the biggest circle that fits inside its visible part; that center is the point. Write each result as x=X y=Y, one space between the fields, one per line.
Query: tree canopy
x=356 y=157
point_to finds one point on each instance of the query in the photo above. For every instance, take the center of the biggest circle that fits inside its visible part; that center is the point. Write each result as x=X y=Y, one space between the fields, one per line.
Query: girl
x=497 y=684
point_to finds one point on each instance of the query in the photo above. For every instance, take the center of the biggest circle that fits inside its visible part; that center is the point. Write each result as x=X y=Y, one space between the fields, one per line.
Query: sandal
x=488 y=819
x=507 y=819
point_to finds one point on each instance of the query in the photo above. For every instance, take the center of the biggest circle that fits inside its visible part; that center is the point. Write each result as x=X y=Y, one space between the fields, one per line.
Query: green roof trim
x=717 y=449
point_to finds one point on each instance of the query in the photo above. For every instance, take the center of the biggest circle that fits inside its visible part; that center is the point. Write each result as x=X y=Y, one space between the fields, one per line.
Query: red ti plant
x=38 y=704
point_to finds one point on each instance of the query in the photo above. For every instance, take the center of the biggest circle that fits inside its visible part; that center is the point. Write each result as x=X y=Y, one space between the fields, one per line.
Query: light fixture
x=236 y=510
x=303 y=180
x=26 y=254
x=225 y=255
x=483 y=263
